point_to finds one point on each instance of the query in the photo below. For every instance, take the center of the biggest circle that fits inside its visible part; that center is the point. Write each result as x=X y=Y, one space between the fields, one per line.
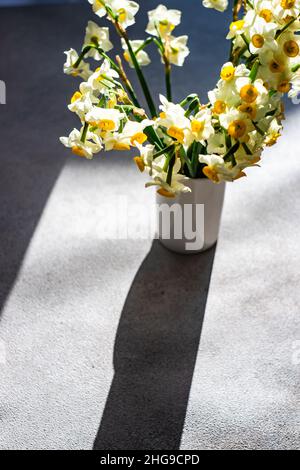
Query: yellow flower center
x=211 y=173
x=276 y=67
x=139 y=137
x=237 y=129
x=248 y=109
x=139 y=163
x=258 y=40
x=284 y=86
x=165 y=193
x=126 y=56
x=122 y=15
x=78 y=151
x=227 y=73
x=248 y=93
x=219 y=107
x=287 y=4
x=121 y=146
x=272 y=139
x=266 y=14
x=162 y=115
x=197 y=126
x=106 y=125
x=291 y=48
x=165 y=27
x=77 y=95
x=176 y=133
x=236 y=26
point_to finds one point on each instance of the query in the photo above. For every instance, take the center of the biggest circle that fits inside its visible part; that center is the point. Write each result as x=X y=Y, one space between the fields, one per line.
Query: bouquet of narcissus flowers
x=217 y=140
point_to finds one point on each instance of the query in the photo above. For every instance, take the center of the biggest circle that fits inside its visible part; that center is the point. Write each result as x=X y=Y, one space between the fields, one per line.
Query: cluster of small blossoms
x=217 y=140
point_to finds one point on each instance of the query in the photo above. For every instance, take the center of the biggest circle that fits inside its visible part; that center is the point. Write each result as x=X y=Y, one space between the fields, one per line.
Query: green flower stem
x=187 y=162
x=84 y=51
x=254 y=70
x=230 y=154
x=285 y=27
x=170 y=169
x=84 y=132
x=168 y=80
x=144 y=45
x=163 y=151
x=140 y=74
x=137 y=67
x=258 y=128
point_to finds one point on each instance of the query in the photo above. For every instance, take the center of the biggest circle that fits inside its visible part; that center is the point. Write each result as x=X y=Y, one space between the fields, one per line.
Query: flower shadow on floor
x=155 y=352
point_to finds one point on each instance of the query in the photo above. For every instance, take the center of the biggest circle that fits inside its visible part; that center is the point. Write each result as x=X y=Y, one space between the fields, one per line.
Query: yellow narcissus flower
x=87 y=148
x=141 y=56
x=236 y=28
x=162 y=21
x=98 y=37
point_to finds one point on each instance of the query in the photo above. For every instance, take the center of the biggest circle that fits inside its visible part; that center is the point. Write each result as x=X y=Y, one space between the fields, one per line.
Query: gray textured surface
x=101 y=337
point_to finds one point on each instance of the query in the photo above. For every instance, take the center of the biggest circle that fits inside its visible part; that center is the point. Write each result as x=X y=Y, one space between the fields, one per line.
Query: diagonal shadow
x=155 y=352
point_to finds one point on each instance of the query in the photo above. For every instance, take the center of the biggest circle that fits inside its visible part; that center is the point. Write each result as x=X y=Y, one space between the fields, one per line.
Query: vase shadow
x=155 y=352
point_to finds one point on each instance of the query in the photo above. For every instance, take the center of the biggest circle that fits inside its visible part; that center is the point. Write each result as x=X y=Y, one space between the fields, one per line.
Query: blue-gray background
x=34 y=2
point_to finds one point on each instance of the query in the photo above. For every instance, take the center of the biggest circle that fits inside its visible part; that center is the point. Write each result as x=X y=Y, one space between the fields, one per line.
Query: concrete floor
x=100 y=339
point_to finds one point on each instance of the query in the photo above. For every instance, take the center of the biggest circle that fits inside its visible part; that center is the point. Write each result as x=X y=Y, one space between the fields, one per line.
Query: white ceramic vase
x=189 y=223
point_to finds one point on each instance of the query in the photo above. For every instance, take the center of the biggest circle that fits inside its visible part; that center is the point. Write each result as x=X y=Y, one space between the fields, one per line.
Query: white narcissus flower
x=201 y=125
x=252 y=92
x=81 y=103
x=134 y=131
x=87 y=149
x=123 y=10
x=131 y=135
x=273 y=133
x=262 y=36
x=237 y=124
x=218 y=170
x=83 y=70
x=177 y=50
x=145 y=159
x=141 y=56
x=101 y=81
x=286 y=8
x=107 y=120
x=295 y=86
x=99 y=37
x=174 y=120
x=160 y=178
x=162 y=21
x=219 y=5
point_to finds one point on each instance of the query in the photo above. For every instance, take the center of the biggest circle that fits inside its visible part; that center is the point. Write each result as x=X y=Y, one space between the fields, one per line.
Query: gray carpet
x=111 y=344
